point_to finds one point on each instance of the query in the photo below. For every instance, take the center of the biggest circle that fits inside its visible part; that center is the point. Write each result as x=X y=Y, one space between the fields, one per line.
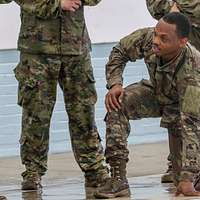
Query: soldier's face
x=166 y=42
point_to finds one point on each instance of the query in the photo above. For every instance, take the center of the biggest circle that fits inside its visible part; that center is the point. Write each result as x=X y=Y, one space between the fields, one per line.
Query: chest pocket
x=28 y=24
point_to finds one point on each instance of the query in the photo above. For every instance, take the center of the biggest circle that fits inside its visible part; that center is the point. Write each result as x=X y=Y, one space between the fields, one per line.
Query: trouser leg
x=167 y=177
x=175 y=144
x=138 y=102
x=77 y=82
x=37 y=78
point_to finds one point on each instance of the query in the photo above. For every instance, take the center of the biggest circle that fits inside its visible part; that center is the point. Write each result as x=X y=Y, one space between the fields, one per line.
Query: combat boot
x=118 y=185
x=95 y=179
x=167 y=177
x=3 y=198
x=31 y=182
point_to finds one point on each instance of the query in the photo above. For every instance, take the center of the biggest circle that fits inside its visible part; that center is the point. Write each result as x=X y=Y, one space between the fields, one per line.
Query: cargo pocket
x=91 y=87
x=26 y=86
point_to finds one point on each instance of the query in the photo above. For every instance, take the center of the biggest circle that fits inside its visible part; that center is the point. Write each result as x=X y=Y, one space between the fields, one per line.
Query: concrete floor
x=142 y=188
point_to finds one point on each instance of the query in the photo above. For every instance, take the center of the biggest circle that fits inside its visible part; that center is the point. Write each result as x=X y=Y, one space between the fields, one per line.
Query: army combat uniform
x=55 y=48
x=191 y=9
x=172 y=93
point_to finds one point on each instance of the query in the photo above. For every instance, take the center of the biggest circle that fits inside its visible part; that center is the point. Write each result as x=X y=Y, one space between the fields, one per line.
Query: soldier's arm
x=190 y=8
x=188 y=87
x=129 y=48
x=158 y=8
x=40 y=8
x=90 y=2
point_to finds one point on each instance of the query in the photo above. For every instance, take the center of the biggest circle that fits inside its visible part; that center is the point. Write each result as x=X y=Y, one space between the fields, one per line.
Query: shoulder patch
x=191 y=100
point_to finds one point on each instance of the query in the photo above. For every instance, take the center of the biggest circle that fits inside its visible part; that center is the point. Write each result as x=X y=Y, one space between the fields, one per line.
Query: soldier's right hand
x=186 y=188
x=113 y=98
x=70 y=5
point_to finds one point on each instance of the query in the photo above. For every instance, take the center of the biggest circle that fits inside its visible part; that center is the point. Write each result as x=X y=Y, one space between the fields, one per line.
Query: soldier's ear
x=183 y=41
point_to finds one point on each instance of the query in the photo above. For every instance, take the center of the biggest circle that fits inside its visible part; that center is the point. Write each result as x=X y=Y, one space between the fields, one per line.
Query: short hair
x=182 y=23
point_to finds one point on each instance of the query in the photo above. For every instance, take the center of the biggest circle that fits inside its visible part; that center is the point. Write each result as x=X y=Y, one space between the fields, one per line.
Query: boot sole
x=123 y=193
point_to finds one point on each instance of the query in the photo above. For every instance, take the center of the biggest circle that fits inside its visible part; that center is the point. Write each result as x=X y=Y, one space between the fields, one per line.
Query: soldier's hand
x=114 y=97
x=174 y=8
x=70 y=5
x=186 y=188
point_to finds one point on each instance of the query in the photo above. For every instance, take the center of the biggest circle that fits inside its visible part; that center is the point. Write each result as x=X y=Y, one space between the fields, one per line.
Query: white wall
x=107 y=22
x=9 y=25
x=113 y=19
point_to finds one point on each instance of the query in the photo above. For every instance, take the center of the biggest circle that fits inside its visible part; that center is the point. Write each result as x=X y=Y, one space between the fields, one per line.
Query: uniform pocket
x=26 y=85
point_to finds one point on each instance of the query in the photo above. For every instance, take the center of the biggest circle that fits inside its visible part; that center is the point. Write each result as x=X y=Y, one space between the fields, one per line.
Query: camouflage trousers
x=38 y=76
x=139 y=102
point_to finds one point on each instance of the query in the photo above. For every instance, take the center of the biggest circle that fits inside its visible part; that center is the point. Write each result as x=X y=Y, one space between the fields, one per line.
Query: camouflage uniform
x=191 y=9
x=172 y=93
x=55 y=46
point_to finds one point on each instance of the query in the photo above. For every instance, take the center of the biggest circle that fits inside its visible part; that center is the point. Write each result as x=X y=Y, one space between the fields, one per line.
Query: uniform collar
x=172 y=64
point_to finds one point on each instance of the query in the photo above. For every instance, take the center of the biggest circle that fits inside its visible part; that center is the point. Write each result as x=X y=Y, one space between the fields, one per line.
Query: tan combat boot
x=94 y=179
x=118 y=185
x=167 y=177
x=31 y=182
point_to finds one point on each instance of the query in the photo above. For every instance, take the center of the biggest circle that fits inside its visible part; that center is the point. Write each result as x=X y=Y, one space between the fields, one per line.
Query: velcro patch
x=191 y=101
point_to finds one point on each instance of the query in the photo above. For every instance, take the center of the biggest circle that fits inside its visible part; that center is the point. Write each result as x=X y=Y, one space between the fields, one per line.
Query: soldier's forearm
x=188 y=155
x=115 y=67
x=158 y=8
x=91 y=2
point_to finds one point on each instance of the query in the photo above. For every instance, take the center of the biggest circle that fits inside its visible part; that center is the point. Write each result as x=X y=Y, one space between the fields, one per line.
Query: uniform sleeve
x=129 y=48
x=191 y=9
x=41 y=8
x=91 y=2
x=189 y=124
x=158 y=8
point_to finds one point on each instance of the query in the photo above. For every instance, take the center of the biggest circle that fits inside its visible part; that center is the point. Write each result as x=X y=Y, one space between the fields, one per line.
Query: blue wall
x=146 y=130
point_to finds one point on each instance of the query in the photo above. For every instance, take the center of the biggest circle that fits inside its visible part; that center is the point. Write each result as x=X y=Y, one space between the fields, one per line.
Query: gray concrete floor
x=142 y=188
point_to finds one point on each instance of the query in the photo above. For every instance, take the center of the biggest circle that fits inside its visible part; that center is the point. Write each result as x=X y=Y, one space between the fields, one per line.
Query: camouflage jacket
x=191 y=9
x=46 y=29
x=176 y=84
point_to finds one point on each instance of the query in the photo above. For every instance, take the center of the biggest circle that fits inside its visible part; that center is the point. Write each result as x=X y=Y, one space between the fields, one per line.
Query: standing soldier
x=55 y=48
x=172 y=93
x=191 y=9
